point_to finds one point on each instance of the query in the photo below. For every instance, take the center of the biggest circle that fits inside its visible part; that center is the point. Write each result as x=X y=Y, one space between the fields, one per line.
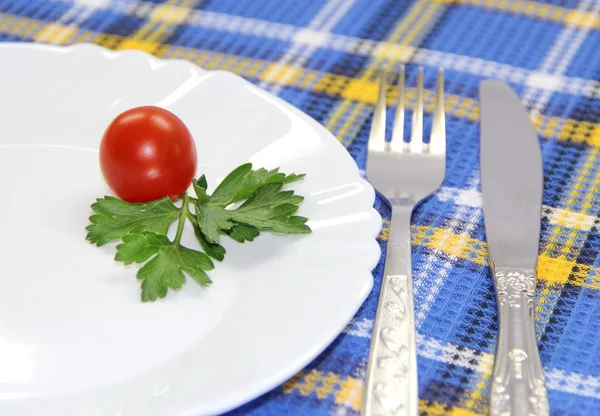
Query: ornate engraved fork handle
x=518 y=386
x=391 y=383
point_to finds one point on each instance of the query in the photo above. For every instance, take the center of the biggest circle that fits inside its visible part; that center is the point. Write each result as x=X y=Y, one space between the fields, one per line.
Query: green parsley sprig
x=246 y=203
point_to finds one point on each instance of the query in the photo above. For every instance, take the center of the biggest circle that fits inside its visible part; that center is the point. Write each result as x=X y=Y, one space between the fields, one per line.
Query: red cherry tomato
x=147 y=153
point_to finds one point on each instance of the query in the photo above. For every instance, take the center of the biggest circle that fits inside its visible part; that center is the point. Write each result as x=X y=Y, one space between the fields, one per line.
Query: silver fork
x=403 y=173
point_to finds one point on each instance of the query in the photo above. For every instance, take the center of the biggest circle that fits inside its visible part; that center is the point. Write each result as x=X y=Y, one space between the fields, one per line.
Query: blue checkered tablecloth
x=323 y=56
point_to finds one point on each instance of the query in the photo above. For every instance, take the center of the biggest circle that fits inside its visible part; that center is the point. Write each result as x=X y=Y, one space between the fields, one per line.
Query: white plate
x=75 y=339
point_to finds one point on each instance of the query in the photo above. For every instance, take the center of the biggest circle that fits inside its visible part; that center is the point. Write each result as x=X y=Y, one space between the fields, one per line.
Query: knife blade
x=512 y=186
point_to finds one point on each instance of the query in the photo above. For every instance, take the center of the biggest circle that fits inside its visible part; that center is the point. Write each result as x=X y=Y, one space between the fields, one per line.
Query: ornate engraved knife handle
x=518 y=386
x=391 y=383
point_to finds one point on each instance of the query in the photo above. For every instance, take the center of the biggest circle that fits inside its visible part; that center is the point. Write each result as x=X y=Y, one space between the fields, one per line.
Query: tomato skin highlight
x=147 y=153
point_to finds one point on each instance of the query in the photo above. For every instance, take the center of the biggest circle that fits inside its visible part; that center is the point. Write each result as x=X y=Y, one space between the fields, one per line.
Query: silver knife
x=512 y=185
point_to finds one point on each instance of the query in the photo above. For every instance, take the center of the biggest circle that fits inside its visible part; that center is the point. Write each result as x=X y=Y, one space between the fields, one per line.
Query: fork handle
x=391 y=382
x=518 y=387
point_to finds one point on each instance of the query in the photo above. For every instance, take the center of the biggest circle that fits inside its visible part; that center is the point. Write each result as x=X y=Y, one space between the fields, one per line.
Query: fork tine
x=377 y=133
x=438 y=130
x=397 y=143
x=416 y=134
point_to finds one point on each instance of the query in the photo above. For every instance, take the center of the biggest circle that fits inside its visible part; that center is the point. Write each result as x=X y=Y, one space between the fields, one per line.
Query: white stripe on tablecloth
x=80 y=11
x=464 y=219
x=557 y=216
x=360 y=327
x=434 y=349
x=574 y=383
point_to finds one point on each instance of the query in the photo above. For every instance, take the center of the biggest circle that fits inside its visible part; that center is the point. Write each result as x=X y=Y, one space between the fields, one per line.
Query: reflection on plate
x=74 y=336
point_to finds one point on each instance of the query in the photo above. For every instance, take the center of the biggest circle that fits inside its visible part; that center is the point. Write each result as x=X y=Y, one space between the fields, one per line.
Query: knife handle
x=518 y=387
x=391 y=383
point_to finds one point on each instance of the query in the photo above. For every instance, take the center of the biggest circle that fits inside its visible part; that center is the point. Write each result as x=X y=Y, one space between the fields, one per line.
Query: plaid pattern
x=323 y=56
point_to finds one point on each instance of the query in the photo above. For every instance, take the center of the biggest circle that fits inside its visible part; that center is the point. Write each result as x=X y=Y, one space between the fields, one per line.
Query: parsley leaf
x=211 y=219
x=268 y=209
x=243 y=232
x=271 y=209
x=216 y=251
x=167 y=263
x=257 y=178
x=115 y=218
x=242 y=182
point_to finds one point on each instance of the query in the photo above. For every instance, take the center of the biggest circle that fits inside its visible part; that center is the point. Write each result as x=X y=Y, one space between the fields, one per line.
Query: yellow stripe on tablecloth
x=25 y=27
x=594 y=138
x=56 y=33
x=551 y=270
x=138 y=44
x=431 y=408
x=162 y=20
x=542 y=11
x=384 y=234
x=347 y=391
x=585 y=192
x=581 y=193
x=527 y=8
x=460 y=246
x=557 y=271
x=475 y=396
x=173 y=14
x=579 y=131
x=458 y=411
x=582 y=19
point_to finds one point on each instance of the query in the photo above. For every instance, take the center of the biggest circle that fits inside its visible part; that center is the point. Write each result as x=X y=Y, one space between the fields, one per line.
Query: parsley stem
x=191 y=198
x=191 y=218
x=182 y=216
